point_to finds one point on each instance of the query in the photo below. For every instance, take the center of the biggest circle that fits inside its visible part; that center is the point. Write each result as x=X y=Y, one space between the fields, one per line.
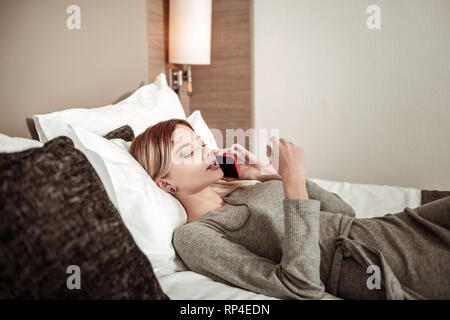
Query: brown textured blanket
x=431 y=195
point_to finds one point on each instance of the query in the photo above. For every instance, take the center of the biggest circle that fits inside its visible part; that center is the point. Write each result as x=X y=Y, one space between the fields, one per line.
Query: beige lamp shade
x=190 y=31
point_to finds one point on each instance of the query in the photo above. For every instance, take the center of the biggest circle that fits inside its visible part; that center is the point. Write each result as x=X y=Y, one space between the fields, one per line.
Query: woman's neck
x=200 y=203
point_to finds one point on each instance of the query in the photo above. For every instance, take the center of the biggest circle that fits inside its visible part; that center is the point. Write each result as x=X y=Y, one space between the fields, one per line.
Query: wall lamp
x=189 y=39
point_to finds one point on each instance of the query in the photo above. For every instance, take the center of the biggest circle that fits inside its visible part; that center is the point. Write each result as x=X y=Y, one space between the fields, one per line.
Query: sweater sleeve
x=206 y=250
x=329 y=201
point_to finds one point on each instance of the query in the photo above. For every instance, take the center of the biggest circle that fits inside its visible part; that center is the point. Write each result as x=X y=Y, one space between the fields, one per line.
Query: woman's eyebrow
x=187 y=143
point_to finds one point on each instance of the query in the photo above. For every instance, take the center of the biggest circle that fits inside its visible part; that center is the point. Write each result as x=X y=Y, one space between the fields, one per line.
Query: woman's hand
x=249 y=165
x=291 y=168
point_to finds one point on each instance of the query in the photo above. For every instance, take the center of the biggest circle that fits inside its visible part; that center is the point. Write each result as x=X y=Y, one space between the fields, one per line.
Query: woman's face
x=190 y=170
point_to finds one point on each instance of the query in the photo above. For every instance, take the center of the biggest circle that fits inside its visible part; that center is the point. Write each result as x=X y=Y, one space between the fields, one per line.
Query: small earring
x=172 y=189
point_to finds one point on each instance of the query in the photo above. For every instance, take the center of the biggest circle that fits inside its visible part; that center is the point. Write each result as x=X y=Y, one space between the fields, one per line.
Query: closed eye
x=192 y=152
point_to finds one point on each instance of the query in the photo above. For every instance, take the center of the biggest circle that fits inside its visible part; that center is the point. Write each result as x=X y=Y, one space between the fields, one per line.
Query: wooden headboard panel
x=223 y=91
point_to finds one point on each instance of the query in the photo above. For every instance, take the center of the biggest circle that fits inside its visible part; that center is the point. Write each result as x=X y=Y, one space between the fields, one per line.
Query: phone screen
x=228 y=164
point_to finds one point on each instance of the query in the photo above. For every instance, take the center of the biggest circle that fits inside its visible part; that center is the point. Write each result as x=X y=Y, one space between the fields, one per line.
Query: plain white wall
x=46 y=67
x=367 y=106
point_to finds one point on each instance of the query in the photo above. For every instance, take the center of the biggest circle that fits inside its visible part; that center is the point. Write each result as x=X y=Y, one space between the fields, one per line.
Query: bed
x=150 y=104
x=368 y=200
x=140 y=202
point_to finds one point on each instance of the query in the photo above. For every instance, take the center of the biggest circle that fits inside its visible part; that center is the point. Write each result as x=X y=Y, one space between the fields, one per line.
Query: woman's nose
x=208 y=153
x=211 y=153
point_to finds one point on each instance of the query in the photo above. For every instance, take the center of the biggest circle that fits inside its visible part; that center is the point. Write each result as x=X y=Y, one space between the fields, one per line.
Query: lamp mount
x=177 y=76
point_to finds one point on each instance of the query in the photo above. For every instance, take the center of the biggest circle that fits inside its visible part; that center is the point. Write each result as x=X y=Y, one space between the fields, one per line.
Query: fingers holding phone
x=240 y=163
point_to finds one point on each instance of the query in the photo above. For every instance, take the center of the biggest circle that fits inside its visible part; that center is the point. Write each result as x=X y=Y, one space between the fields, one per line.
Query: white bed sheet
x=368 y=200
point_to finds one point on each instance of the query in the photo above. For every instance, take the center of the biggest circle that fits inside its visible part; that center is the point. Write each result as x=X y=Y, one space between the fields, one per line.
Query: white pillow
x=16 y=144
x=201 y=128
x=149 y=213
x=146 y=106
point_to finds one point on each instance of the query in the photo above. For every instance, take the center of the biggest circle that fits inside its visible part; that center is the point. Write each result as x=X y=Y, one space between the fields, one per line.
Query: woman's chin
x=219 y=176
x=215 y=175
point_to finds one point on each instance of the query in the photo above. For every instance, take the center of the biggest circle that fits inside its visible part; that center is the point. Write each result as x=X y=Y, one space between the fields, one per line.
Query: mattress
x=368 y=200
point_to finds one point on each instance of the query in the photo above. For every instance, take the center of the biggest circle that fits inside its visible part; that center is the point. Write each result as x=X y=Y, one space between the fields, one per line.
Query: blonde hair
x=153 y=149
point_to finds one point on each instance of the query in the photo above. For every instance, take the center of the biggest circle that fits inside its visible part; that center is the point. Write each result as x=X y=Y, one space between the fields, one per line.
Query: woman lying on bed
x=287 y=237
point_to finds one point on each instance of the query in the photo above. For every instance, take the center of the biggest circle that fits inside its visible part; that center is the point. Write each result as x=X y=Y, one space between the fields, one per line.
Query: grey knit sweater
x=264 y=243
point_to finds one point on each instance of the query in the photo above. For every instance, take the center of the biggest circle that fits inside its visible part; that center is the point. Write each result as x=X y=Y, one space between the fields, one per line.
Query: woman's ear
x=163 y=184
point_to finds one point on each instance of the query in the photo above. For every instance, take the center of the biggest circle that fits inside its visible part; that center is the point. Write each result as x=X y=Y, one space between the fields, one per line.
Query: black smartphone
x=229 y=166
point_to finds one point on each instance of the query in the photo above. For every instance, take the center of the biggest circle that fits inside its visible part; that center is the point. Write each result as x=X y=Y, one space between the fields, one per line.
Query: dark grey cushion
x=124 y=132
x=54 y=213
x=432 y=195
